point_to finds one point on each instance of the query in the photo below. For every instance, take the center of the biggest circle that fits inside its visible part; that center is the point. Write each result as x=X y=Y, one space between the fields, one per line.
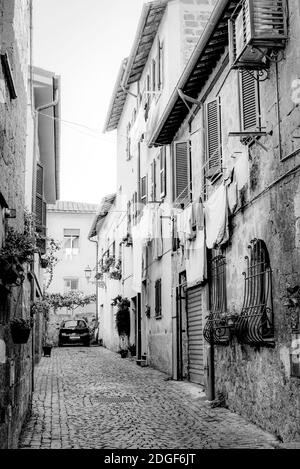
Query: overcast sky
x=85 y=41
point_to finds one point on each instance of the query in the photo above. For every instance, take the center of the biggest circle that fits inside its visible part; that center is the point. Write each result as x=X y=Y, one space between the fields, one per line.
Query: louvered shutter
x=181 y=171
x=162 y=160
x=250 y=118
x=39 y=204
x=143 y=190
x=214 y=141
x=153 y=180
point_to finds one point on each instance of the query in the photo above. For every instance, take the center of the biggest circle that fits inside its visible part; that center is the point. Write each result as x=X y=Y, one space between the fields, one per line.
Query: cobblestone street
x=92 y=398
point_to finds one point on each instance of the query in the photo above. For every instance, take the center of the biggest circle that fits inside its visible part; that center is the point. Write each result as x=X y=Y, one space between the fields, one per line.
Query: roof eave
x=215 y=17
x=118 y=84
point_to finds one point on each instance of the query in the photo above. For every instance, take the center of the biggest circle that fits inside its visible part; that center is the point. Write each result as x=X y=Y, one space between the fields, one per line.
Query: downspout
x=97 y=271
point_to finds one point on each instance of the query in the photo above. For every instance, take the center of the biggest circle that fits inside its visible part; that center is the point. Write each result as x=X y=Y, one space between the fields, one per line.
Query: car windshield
x=80 y=324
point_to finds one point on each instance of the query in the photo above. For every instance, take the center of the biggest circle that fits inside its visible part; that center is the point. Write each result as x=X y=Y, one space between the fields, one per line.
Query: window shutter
x=214 y=141
x=160 y=69
x=158 y=298
x=250 y=112
x=143 y=183
x=153 y=180
x=153 y=75
x=181 y=170
x=39 y=203
x=162 y=162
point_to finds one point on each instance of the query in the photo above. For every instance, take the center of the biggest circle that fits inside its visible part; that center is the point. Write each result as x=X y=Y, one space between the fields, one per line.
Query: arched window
x=216 y=328
x=255 y=324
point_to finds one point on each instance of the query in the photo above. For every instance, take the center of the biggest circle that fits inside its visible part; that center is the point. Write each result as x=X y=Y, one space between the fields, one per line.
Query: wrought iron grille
x=255 y=324
x=216 y=330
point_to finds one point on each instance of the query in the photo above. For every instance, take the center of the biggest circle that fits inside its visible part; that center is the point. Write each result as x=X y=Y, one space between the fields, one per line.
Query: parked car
x=73 y=332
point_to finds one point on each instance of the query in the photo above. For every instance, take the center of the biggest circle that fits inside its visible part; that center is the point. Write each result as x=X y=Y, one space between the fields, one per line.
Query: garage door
x=195 y=335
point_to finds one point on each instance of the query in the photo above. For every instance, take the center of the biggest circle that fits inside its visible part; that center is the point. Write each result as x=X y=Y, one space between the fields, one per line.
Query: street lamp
x=88 y=273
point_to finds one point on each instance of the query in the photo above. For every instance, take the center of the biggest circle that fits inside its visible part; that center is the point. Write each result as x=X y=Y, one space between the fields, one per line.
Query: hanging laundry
x=216 y=218
x=198 y=215
x=196 y=262
x=232 y=197
x=137 y=259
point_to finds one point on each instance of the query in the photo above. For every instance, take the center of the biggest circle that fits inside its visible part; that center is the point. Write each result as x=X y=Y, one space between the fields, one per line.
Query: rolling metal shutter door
x=195 y=335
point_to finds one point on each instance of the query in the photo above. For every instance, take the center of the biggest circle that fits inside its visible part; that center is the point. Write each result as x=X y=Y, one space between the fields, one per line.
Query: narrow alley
x=92 y=398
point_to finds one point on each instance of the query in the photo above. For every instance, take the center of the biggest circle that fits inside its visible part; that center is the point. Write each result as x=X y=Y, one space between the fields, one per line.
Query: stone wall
x=196 y=14
x=16 y=360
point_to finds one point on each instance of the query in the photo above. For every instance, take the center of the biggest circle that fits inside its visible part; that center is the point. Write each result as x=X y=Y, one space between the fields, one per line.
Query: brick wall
x=16 y=363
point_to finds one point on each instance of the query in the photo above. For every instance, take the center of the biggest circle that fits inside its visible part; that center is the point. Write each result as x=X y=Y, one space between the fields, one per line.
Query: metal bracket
x=253 y=136
x=276 y=56
x=260 y=76
x=187 y=98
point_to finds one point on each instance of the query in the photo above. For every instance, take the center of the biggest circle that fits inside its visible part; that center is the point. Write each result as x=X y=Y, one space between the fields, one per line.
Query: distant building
x=69 y=223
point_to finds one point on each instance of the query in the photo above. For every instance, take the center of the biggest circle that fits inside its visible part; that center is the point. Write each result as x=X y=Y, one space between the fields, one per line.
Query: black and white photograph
x=150 y=227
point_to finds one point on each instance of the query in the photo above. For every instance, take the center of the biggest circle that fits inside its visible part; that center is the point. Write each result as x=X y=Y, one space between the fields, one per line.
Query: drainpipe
x=97 y=271
x=211 y=373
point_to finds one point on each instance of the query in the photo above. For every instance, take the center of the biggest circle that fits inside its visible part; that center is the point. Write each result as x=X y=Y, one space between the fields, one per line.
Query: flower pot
x=47 y=350
x=123 y=353
x=20 y=336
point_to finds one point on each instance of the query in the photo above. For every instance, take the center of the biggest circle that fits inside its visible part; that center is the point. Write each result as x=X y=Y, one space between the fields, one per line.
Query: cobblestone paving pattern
x=92 y=398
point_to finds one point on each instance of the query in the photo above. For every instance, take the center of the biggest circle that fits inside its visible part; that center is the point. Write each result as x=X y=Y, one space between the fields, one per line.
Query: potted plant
x=20 y=330
x=47 y=347
x=122 y=321
x=123 y=352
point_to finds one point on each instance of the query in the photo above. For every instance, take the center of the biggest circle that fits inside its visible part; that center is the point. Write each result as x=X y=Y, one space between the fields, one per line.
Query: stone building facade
x=250 y=313
x=229 y=129
x=20 y=152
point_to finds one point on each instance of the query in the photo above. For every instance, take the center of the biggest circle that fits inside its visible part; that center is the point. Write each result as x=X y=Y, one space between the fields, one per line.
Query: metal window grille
x=255 y=325
x=216 y=330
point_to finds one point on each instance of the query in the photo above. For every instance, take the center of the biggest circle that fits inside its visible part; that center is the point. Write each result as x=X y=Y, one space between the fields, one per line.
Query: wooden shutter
x=153 y=180
x=181 y=170
x=158 y=298
x=162 y=171
x=160 y=66
x=249 y=96
x=39 y=203
x=214 y=140
x=143 y=183
x=153 y=75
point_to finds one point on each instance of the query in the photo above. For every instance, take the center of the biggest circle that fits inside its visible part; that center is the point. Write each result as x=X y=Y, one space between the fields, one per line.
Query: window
x=255 y=324
x=182 y=173
x=249 y=101
x=71 y=242
x=213 y=138
x=128 y=144
x=129 y=217
x=158 y=299
x=216 y=329
x=160 y=67
x=153 y=180
x=134 y=207
x=71 y=284
x=162 y=172
x=153 y=75
x=143 y=183
x=148 y=97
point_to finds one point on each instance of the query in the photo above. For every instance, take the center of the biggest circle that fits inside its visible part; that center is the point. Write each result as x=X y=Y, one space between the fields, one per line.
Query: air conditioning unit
x=258 y=27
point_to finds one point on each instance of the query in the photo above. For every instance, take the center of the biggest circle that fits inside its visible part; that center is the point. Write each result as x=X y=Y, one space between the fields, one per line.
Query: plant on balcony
x=49 y=259
x=116 y=270
x=107 y=263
